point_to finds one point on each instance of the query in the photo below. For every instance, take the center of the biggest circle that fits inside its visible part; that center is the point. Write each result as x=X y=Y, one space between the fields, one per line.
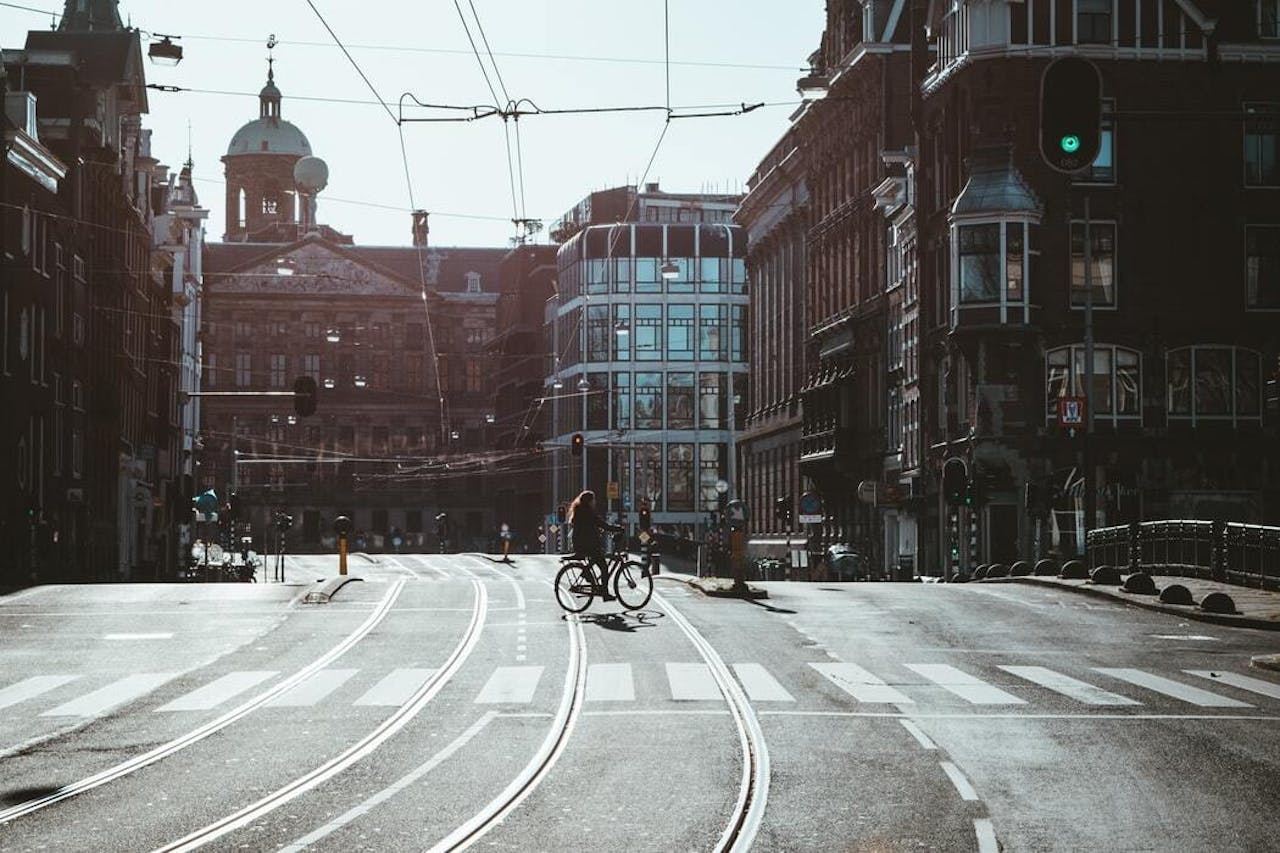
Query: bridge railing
x=1247 y=554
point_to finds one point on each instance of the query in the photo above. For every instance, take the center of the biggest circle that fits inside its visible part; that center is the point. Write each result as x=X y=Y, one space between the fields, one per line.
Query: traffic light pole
x=1090 y=487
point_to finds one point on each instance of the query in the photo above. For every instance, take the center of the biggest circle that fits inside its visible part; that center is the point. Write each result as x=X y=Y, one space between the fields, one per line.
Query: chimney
x=651 y=187
x=420 y=229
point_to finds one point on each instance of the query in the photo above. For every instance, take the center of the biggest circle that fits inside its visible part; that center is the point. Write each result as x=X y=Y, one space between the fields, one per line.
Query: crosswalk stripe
x=31 y=687
x=510 y=684
x=105 y=698
x=610 y=682
x=760 y=685
x=312 y=690
x=859 y=683
x=972 y=690
x=1244 y=682
x=1068 y=686
x=216 y=692
x=396 y=688
x=691 y=682
x=1176 y=689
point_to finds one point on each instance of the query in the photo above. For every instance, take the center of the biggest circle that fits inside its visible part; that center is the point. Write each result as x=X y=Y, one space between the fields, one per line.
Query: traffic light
x=232 y=506
x=955 y=481
x=645 y=517
x=782 y=510
x=560 y=514
x=304 y=396
x=576 y=444
x=1070 y=114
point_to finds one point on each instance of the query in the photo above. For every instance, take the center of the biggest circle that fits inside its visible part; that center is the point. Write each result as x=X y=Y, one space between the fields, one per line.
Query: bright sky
x=557 y=53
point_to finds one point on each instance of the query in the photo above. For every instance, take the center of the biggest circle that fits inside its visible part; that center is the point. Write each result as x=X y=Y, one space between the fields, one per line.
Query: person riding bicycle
x=585 y=526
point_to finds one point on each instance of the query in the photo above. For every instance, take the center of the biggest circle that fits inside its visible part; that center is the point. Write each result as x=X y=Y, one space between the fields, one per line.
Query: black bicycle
x=632 y=581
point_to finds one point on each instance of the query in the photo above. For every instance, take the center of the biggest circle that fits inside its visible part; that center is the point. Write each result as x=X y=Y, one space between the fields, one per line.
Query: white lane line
x=29 y=688
x=964 y=685
x=918 y=734
x=860 y=684
x=978 y=715
x=216 y=692
x=962 y=784
x=760 y=685
x=1175 y=689
x=396 y=688
x=610 y=682
x=391 y=790
x=986 y=833
x=156 y=636
x=105 y=698
x=519 y=593
x=1244 y=682
x=510 y=684
x=659 y=712
x=1067 y=686
x=313 y=689
x=692 y=682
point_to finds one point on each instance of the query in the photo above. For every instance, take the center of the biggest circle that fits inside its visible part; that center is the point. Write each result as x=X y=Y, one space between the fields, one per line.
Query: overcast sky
x=556 y=53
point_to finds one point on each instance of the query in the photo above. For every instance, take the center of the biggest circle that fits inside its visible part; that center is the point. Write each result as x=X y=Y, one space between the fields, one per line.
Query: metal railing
x=1246 y=554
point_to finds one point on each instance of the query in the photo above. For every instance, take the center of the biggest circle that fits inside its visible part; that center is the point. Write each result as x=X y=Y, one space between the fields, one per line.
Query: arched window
x=1214 y=383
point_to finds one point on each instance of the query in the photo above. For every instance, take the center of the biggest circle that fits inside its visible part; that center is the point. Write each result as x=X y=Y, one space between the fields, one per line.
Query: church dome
x=269 y=136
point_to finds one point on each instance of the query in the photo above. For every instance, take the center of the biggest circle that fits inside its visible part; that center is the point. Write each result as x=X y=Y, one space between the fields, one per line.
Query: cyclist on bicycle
x=585 y=526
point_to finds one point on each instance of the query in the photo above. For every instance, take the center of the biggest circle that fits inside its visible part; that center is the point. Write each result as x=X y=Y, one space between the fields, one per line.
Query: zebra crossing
x=917 y=685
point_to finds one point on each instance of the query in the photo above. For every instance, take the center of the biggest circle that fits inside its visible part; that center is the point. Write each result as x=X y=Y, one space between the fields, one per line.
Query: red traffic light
x=576 y=444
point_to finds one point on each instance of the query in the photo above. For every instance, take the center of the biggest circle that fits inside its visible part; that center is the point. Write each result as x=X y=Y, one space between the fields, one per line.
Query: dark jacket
x=584 y=531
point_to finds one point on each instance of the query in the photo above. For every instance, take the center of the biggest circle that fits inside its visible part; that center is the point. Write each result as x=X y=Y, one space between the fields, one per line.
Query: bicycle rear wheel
x=574 y=588
x=632 y=584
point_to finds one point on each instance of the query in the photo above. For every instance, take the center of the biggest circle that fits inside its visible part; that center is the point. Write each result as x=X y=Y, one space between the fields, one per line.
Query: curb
x=712 y=591
x=324 y=594
x=1187 y=611
x=1271 y=662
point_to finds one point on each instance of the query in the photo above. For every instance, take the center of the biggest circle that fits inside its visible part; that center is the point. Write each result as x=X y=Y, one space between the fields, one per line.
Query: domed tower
x=261 y=204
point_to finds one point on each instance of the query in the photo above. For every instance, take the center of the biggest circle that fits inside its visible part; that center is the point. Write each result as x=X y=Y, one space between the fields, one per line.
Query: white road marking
x=1175 y=689
x=216 y=692
x=918 y=734
x=391 y=790
x=964 y=685
x=1067 y=686
x=760 y=685
x=313 y=689
x=860 y=684
x=1244 y=682
x=157 y=636
x=962 y=784
x=510 y=684
x=986 y=833
x=692 y=682
x=397 y=688
x=31 y=687
x=1183 y=637
x=105 y=698
x=610 y=682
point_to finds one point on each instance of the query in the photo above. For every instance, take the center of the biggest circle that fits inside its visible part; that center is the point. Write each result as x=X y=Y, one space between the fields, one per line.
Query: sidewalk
x=685 y=570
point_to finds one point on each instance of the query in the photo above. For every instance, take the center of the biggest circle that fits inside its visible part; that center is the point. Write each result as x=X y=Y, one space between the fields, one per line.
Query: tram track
x=172 y=747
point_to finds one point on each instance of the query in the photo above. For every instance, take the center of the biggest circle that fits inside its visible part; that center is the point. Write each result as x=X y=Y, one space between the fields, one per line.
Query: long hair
x=585 y=497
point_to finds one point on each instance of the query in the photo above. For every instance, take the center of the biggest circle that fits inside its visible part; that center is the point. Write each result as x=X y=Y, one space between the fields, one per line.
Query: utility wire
x=352 y=60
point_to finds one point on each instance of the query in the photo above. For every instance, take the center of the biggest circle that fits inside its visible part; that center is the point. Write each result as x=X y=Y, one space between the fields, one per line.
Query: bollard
x=342 y=526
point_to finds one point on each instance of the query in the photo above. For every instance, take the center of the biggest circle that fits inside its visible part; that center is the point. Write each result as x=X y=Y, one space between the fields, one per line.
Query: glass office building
x=648 y=341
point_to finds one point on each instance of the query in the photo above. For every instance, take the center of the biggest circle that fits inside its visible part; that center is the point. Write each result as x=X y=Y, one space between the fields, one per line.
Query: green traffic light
x=1070 y=143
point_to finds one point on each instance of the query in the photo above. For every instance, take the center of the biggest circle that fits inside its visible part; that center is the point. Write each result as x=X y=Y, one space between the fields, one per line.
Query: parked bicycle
x=631 y=580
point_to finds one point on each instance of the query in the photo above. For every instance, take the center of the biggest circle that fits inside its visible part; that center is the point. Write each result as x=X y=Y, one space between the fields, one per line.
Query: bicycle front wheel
x=633 y=585
x=574 y=589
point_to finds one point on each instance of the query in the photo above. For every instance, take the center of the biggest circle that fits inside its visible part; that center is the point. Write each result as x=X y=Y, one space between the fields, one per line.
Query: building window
x=473 y=282
x=680 y=399
x=738 y=333
x=711 y=401
x=210 y=372
x=244 y=369
x=599 y=345
x=648 y=396
x=415 y=336
x=1093 y=21
x=1261 y=145
x=711 y=332
x=1117 y=381
x=598 y=401
x=711 y=469
x=1214 y=383
x=622 y=400
x=1262 y=265
x=1103 y=168
x=1269 y=19
x=647 y=332
x=622 y=332
x=311 y=366
x=979 y=248
x=279 y=369
x=1102 y=241
x=991 y=262
x=474 y=380
x=680 y=478
x=413 y=374
x=680 y=332
x=648 y=276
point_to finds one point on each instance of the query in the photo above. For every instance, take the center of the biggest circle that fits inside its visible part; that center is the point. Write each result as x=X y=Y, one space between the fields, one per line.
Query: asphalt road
x=445 y=700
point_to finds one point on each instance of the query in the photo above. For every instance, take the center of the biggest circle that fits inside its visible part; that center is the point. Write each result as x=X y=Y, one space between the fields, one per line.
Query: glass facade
x=655 y=316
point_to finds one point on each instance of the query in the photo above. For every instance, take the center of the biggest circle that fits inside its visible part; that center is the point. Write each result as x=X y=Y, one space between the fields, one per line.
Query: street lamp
x=329 y=384
x=332 y=336
x=583 y=385
x=165 y=52
x=669 y=270
x=488 y=419
x=361 y=382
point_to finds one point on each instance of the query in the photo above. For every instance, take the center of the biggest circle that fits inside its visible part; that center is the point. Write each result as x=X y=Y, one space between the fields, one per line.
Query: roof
x=104 y=57
x=269 y=136
x=995 y=186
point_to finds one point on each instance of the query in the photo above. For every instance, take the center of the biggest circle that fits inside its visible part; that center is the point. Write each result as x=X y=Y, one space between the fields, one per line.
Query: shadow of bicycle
x=627 y=623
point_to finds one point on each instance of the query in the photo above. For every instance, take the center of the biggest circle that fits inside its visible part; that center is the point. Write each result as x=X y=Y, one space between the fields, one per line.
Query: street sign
x=542 y=537
x=1071 y=412
x=555 y=528
x=613 y=491
x=868 y=491
x=722 y=486
x=810 y=509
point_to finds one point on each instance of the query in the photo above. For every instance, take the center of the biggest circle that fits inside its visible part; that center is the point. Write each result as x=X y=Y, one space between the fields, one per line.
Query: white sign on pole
x=809 y=519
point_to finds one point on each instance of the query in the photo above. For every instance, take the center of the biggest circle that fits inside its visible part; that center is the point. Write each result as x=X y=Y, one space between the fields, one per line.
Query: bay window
x=991 y=261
